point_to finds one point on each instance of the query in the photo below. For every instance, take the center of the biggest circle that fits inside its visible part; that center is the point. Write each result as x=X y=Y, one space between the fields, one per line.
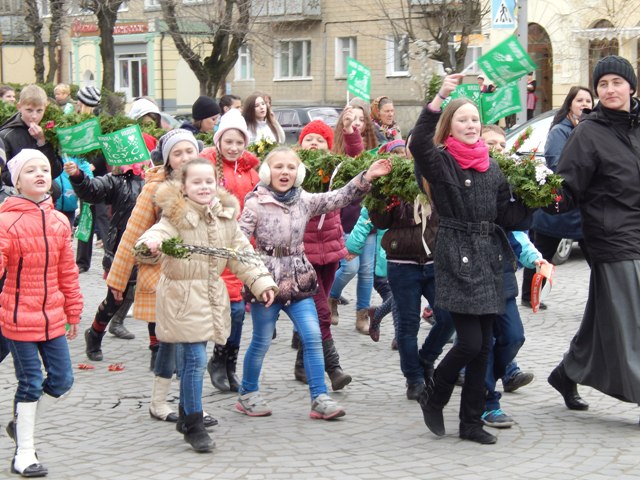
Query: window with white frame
x=244 y=69
x=152 y=4
x=345 y=47
x=293 y=60
x=8 y=7
x=398 y=56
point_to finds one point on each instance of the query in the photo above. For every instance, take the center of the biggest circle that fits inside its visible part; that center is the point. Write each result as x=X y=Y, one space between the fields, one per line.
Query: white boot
x=158 y=408
x=45 y=404
x=25 y=461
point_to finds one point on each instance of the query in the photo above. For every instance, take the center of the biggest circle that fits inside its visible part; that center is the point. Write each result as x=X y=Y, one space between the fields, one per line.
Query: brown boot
x=333 y=305
x=299 y=372
x=362 y=321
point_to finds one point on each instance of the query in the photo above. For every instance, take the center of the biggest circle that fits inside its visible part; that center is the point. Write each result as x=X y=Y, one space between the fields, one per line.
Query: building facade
x=297 y=49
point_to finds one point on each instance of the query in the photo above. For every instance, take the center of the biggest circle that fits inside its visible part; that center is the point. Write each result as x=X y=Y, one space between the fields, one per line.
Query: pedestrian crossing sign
x=502 y=13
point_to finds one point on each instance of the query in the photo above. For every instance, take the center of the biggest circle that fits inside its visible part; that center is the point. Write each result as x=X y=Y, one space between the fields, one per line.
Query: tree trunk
x=56 y=8
x=32 y=19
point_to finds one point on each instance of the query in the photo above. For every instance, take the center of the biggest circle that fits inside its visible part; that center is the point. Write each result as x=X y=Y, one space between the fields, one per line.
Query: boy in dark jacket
x=23 y=130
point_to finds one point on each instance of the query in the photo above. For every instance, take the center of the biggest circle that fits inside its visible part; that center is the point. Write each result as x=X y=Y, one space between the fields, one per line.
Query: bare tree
x=212 y=53
x=57 y=11
x=432 y=24
x=107 y=13
x=32 y=19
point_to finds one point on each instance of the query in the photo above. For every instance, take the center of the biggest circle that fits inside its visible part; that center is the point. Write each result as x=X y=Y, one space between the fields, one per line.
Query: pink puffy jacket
x=41 y=293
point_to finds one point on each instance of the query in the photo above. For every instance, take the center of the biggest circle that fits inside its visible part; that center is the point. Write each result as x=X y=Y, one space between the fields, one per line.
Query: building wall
x=17 y=63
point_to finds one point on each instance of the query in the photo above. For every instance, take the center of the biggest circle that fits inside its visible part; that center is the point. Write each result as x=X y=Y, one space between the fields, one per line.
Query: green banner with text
x=506 y=62
x=358 y=79
x=124 y=147
x=80 y=138
x=504 y=101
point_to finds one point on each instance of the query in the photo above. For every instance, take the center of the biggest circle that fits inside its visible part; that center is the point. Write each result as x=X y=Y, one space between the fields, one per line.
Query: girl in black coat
x=474 y=203
x=120 y=189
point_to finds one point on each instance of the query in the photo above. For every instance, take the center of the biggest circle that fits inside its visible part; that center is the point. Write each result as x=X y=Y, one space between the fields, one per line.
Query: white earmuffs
x=264 y=172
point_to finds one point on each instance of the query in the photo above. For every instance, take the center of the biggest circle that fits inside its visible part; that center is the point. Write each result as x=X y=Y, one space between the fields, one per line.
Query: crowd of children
x=294 y=253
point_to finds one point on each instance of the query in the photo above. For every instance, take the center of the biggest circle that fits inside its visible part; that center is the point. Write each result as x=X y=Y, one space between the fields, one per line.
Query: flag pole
x=523 y=36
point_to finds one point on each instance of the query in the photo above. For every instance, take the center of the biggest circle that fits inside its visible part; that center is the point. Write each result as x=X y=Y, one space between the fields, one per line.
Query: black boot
x=567 y=388
x=180 y=428
x=472 y=405
x=295 y=340
x=196 y=435
x=232 y=361
x=93 y=339
x=298 y=371
x=217 y=368
x=338 y=378
x=432 y=399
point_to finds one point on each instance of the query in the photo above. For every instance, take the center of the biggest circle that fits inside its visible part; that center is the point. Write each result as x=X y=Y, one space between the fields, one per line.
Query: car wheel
x=563 y=251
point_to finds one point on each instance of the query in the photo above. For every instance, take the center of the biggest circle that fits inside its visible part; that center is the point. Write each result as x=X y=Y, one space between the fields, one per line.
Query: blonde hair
x=62 y=88
x=493 y=128
x=33 y=95
x=443 y=128
x=184 y=171
x=282 y=149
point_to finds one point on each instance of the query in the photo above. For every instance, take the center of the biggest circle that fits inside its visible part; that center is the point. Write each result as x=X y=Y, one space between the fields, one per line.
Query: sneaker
x=497 y=419
x=520 y=379
x=253 y=404
x=324 y=407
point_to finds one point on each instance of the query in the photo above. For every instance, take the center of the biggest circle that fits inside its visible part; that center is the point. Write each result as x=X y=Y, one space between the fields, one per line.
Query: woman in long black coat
x=600 y=165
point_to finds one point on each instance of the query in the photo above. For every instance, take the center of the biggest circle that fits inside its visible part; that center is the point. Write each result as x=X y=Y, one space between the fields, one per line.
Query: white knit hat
x=17 y=163
x=142 y=107
x=233 y=119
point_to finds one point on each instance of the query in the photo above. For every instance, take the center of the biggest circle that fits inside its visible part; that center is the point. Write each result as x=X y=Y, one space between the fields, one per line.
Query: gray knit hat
x=616 y=65
x=169 y=140
x=89 y=95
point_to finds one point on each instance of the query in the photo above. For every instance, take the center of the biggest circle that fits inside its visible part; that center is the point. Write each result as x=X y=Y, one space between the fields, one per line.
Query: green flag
x=506 y=62
x=470 y=91
x=80 y=138
x=124 y=147
x=358 y=79
x=504 y=101
x=83 y=232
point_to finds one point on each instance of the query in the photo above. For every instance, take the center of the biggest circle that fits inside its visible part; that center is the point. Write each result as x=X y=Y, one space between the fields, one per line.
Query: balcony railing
x=287 y=10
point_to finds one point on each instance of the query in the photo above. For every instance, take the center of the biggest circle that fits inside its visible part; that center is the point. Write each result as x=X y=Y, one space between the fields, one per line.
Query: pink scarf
x=474 y=156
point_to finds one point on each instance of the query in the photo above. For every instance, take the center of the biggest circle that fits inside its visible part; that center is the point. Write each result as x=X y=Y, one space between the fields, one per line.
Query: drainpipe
x=162 y=71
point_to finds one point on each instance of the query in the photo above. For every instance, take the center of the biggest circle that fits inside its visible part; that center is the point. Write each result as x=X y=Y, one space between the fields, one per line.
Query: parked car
x=540 y=126
x=293 y=119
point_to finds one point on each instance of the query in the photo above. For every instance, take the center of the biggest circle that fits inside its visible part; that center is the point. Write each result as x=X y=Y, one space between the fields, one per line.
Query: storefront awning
x=624 y=33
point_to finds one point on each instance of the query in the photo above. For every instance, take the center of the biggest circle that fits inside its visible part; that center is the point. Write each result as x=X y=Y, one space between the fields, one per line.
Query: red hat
x=319 y=127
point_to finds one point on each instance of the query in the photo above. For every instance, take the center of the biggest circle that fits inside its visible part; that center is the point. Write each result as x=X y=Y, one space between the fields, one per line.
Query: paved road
x=102 y=430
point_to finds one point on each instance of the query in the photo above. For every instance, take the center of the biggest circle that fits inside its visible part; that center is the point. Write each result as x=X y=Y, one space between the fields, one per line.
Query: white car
x=540 y=126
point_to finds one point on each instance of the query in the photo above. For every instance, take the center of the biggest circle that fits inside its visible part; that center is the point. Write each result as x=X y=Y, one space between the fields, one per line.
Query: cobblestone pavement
x=102 y=430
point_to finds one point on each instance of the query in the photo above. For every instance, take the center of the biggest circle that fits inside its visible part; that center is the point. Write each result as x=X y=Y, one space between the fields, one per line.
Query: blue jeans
x=57 y=364
x=508 y=333
x=305 y=320
x=193 y=364
x=409 y=283
x=165 y=360
x=511 y=371
x=363 y=266
x=237 y=319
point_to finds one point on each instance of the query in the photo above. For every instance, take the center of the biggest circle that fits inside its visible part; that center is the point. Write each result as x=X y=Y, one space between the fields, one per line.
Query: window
x=43 y=7
x=10 y=6
x=474 y=52
x=244 y=69
x=398 y=56
x=345 y=47
x=151 y=4
x=132 y=75
x=293 y=60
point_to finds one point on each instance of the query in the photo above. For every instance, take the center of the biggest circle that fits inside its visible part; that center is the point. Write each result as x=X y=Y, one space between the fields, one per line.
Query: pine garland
x=174 y=247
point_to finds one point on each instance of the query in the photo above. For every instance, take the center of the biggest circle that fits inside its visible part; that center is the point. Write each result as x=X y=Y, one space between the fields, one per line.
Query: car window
x=327 y=115
x=287 y=118
x=540 y=129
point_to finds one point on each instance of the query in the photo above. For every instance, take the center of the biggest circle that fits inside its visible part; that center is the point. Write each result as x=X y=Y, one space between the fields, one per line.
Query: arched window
x=601 y=47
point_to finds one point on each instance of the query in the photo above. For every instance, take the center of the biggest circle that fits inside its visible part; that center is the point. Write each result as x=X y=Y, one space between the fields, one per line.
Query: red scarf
x=474 y=156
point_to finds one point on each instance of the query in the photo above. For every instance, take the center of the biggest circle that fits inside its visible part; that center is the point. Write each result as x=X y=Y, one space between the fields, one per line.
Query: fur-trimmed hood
x=185 y=214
